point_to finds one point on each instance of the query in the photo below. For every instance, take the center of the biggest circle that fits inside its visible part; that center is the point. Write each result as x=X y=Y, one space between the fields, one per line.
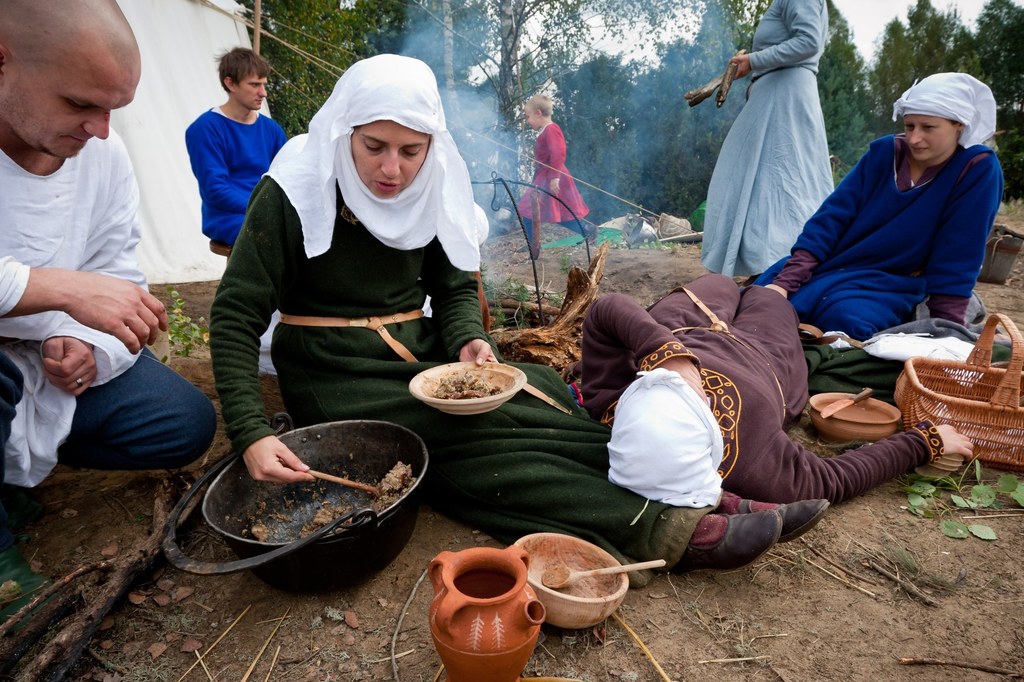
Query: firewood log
x=558 y=344
x=698 y=95
x=727 y=78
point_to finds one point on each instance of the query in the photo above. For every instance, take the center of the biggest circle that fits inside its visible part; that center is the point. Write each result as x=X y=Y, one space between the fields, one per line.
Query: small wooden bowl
x=868 y=420
x=586 y=602
x=509 y=379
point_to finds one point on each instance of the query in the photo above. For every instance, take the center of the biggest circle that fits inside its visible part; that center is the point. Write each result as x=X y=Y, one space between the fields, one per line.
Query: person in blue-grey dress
x=773 y=170
x=910 y=221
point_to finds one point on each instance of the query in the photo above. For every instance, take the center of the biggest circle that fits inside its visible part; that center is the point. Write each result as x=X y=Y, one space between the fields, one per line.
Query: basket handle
x=1007 y=393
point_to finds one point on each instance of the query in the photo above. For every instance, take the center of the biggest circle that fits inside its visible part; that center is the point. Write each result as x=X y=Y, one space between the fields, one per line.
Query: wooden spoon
x=561 y=576
x=843 y=403
x=366 y=487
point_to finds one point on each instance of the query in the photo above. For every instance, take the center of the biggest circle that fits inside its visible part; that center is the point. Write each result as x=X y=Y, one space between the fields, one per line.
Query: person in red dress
x=551 y=174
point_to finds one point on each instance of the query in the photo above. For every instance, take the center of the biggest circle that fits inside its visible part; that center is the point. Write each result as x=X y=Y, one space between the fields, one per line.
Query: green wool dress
x=523 y=468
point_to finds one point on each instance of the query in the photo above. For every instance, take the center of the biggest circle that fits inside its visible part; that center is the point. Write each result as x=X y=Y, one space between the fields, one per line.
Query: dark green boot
x=19 y=584
x=21 y=509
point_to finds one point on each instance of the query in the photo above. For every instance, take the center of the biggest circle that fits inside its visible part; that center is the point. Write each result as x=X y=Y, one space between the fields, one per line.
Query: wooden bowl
x=510 y=380
x=586 y=602
x=868 y=420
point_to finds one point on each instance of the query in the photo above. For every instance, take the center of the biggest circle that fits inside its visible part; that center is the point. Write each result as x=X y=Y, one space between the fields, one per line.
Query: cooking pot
x=350 y=549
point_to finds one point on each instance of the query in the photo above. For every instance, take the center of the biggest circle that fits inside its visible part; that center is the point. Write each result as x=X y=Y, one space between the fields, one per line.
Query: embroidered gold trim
x=932 y=439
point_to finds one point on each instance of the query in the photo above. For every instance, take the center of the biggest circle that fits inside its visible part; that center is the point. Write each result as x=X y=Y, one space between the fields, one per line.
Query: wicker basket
x=983 y=402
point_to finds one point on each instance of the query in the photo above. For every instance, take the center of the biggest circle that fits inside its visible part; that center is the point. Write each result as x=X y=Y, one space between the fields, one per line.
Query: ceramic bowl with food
x=584 y=603
x=867 y=420
x=466 y=387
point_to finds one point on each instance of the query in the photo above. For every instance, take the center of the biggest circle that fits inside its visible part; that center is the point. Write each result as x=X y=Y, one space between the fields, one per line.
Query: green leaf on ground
x=1007 y=483
x=924 y=488
x=954 y=529
x=915 y=500
x=962 y=503
x=1018 y=497
x=983 y=532
x=983 y=495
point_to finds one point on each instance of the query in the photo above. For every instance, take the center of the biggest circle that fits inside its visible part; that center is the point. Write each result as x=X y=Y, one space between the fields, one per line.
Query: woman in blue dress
x=908 y=223
x=773 y=170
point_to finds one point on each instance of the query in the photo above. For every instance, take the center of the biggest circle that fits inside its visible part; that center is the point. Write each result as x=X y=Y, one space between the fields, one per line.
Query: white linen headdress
x=666 y=444
x=955 y=96
x=438 y=202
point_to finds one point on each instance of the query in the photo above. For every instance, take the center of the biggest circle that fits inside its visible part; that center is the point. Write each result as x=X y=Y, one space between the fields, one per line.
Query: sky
x=867 y=18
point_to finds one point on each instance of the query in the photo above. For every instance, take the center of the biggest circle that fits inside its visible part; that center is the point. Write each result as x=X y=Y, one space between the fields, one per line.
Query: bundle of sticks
x=722 y=83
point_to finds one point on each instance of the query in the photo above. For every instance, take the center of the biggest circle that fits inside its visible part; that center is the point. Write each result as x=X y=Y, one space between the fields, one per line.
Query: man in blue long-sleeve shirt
x=231 y=146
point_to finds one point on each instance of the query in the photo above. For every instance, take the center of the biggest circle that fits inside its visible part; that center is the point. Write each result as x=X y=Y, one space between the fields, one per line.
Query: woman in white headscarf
x=909 y=222
x=373 y=215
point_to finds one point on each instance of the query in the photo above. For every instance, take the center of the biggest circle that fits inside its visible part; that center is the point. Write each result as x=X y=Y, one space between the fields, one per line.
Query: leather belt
x=375 y=323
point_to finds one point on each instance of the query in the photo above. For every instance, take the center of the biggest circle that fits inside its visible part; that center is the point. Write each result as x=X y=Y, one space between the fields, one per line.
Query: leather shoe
x=746 y=537
x=797 y=517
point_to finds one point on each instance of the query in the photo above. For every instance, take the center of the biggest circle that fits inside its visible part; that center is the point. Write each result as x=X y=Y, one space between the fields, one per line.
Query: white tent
x=179 y=41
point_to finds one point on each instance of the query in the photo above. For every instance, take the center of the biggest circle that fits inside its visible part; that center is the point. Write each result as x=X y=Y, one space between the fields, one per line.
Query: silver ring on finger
x=79 y=382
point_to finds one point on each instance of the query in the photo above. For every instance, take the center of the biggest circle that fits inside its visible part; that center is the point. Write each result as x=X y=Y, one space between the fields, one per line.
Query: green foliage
x=946 y=496
x=632 y=141
x=1000 y=44
x=1011 y=158
x=930 y=42
x=313 y=43
x=744 y=16
x=842 y=89
x=183 y=333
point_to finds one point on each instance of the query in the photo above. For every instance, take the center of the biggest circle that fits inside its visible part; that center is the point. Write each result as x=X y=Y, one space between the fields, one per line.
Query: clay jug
x=484 y=618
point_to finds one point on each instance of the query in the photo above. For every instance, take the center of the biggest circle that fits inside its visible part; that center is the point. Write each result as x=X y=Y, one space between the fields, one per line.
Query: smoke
x=633 y=143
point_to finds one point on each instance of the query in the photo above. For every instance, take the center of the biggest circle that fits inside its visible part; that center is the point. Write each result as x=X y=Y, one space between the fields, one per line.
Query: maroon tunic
x=756 y=378
x=550 y=156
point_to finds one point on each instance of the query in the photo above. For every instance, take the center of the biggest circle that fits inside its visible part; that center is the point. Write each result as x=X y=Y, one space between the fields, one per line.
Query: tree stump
x=557 y=344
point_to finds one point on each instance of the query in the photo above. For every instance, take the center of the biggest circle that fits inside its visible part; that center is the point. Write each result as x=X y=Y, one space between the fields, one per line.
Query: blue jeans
x=150 y=417
x=10 y=394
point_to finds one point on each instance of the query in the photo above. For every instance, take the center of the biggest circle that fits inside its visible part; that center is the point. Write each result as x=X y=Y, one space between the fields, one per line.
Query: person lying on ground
x=372 y=216
x=885 y=240
x=700 y=390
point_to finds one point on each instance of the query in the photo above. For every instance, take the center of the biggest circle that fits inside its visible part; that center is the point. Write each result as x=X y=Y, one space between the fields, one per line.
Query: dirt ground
x=813 y=609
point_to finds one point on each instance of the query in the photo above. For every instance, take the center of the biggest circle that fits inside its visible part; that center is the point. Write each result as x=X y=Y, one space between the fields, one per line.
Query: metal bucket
x=350 y=549
x=1001 y=251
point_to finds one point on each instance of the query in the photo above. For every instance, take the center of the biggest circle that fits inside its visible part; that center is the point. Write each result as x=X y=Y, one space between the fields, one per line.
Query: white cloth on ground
x=904 y=346
x=439 y=202
x=666 y=444
x=83 y=217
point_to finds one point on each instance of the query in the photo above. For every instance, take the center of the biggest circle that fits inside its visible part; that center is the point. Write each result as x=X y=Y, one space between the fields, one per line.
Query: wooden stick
x=63 y=650
x=273 y=662
x=252 y=666
x=727 y=78
x=734 y=660
x=961 y=664
x=222 y=636
x=911 y=589
x=366 y=487
x=203 y=664
x=42 y=596
x=844 y=569
x=698 y=95
x=842 y=580
x=398 y=625
x=643 y=647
